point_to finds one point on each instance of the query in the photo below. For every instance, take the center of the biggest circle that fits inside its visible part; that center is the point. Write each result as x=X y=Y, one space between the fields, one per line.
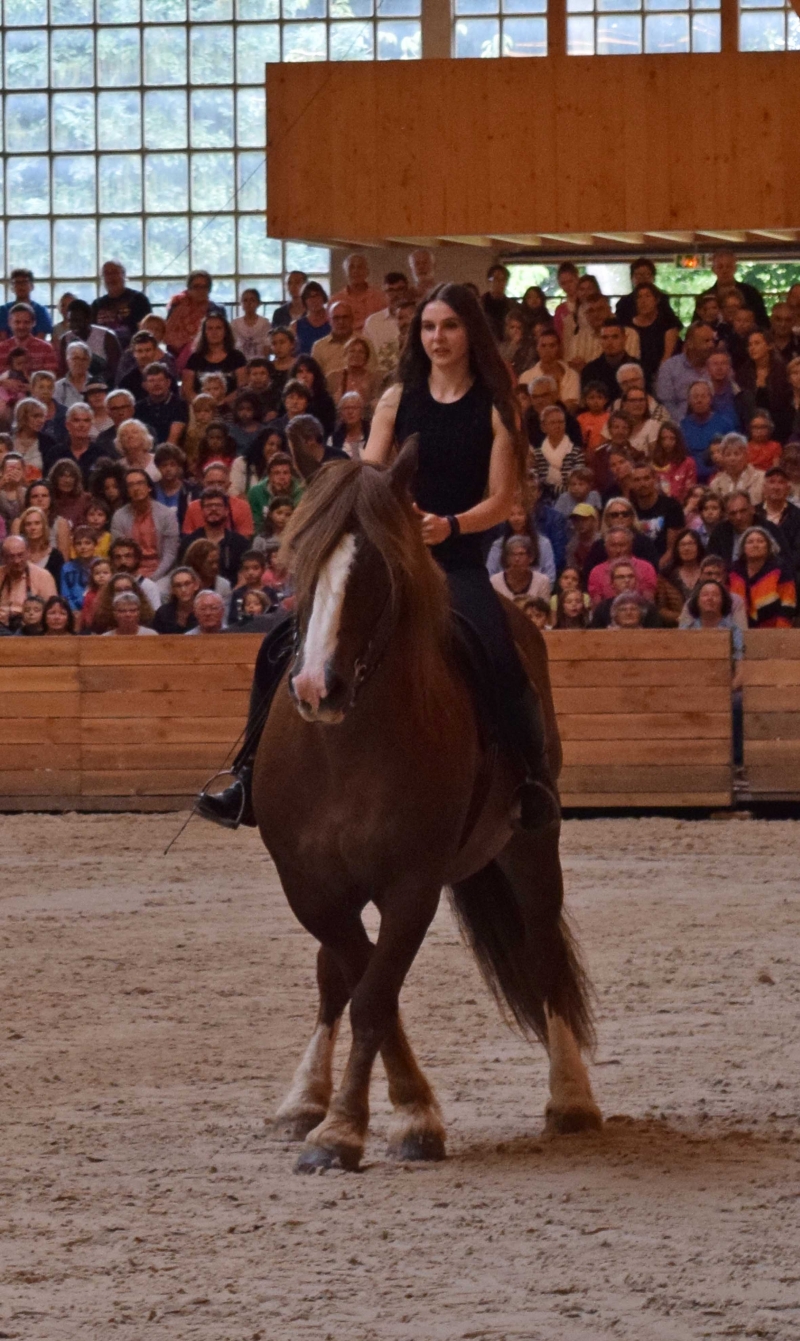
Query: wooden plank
x=632 y=700
x=625 y=751
x=164 y=679
x=40 y=731
x=196 y=703
x=646 y=726
x=768 y=698
x=633 y=779
x=45 y=756
x=781 y=753
x=645 y=800
x=40 y=782
x=571 y=674
x=133 y=782
x=41 y=651
x=37 y=680
x=780 y=674
x=169 y=650
x=153 y=758
x=638 y=644
x=772 y=645
x=772 y=726
x=166 y=730
x=39 y=705
x=774 y=777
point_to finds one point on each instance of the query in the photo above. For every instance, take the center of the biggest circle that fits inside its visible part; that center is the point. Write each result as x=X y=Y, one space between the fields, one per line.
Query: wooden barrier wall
x=772 y=713
x=94 y=723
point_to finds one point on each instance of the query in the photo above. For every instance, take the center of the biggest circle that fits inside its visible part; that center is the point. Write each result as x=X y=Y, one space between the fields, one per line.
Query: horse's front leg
x=309 y=1095
x=416 y=1130
x=374 y=1018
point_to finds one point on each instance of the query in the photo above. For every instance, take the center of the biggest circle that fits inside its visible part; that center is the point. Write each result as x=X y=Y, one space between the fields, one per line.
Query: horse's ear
x=404 y=468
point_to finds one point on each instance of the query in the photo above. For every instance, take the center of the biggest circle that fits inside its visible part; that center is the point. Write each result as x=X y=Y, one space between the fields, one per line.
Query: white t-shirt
x=251 y=340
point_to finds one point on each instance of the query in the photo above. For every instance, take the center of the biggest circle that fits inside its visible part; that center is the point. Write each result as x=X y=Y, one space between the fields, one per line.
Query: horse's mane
x=355 y=496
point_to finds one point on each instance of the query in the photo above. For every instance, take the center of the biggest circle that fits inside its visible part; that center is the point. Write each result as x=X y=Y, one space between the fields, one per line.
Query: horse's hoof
x=419 y=1146
x=567 y=1121
x=296 y=1126
x=318 y=1158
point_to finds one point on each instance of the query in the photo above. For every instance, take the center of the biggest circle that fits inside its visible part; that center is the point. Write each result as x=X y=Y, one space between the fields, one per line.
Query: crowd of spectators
x=149 y=465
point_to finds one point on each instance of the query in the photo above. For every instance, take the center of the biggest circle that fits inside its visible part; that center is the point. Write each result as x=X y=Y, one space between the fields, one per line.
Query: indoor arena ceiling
x=546 y=246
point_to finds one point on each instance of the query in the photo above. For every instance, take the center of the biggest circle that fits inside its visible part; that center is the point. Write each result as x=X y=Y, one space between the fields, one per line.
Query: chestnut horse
x=386 y=794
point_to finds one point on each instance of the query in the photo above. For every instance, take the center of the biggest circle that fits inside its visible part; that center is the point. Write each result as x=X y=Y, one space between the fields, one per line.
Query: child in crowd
x=201 y=414
x=215 y=385
x=251 y=331
x=569 y=579
x=276 y=577
x=32 y=618
x=282 y=346
x=251 y=578
x=247 y=426
x=260 y=380
x=710 y=514
x=763 y=451
x=594 y=418
x=98 y=518
x=579 y=490
x=254 y=603
x=95 y=394
x=570 y=611
x=75 y=572
x=99 y=575
x=536 y=609
x=677 y=471
x=216 y=445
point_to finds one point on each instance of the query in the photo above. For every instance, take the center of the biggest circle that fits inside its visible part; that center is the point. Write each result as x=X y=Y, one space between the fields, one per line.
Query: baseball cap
x=583 y=510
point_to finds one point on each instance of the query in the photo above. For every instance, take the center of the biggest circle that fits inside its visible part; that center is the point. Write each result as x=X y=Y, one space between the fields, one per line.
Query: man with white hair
x=80 y=447
x=723 y=263
x=209 y=611
x=358 y=292
x=120 y=405
x=120 y=309
x=630 y=377
x=19 y=578
x=422 y=264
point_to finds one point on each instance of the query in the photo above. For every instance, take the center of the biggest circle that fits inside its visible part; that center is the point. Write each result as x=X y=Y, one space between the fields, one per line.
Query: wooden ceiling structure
x=539 y=158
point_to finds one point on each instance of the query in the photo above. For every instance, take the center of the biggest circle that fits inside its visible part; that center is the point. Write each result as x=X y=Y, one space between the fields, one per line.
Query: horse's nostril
x=335 y=688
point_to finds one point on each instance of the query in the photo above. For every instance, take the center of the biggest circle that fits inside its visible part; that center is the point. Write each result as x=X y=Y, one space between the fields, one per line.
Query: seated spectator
x=119 y=407
x=35 y=531
x=618 y=431
x=543 y=393
x=22 y=283
x=176 y=615
x=657 y=329
x=215 y=351
x=679 y=577
x=571 y=613
x=701 y=426
x=764 y=581
x=675 y=469
x=584 y=531
x=209 y=610
x=296 y=400
x=186 y=314
x=644 y=428
x=307 y=445
x=551 y=364
x=107 y=483
x=660 y=517
x=239 y=517
x=160 y=408
x=247 y=429
x=780 y=515
x=579 y=490
x=712 y=569
x=382 y=328
x=22 y=321
x=516 y=347
x=202 y=412
x=622 y=578
x=521 y=523
x=557 y=455
x=790 y=461
x=321 y=405
x=249 y=469
x=277 y=579
x=80 y=447
x=70 y=499
x=155 y=326
x=618 y=345
x=313 y=325
x=281 y=480
x=255 y=604
x=329 y=350
x=40 y=495
x=726 y=538
x=217 y=446
x=32 y=622
x=643 y=271
x=229 y=546
x=12 y=487
x=28 y=436
x=519 y=579
x=145 y=352
x=104 y=348
x=537 y=610
x=103 y=620
x=707 y=518
x=276 y=520
x=628 y=611
x=19 y=578
x=284 y=351
x=152 y=525
x=594 y=418
x=352 y=427
x=14 y=385
x=54 y=428
x=251 y=330
x=630 y=376
x=763 y=450
x=126 y=557
x=70 y=389
x=763 y=373
x=251 y=578
x=95 y=396
x=58 y=620
x=588 y=348
x=98 y=519
x=135 y=448
x=127 y=613
x=358 y=374
x=736 y=474
x=172 y=491
x=785 y=340
x=619 y=545
x=99 y=575
x=678 y=374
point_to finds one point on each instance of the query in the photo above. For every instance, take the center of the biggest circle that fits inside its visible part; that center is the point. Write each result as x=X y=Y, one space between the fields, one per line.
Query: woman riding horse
x=454 y=394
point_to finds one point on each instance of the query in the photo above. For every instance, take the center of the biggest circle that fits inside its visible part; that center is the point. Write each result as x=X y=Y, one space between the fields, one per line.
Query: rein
x=376 y=649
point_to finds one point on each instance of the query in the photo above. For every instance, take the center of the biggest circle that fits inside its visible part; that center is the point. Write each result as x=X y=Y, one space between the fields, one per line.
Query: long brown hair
x=102 y=615
x=485 y=362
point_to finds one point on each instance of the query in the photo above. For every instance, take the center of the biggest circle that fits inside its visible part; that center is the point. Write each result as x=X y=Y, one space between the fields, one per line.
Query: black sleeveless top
x=455 y=446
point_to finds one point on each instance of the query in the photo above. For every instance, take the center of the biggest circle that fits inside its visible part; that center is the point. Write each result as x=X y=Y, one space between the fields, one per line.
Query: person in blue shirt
x=76 y=572
x=702 y=425
x=22 y=283
x=314 y=323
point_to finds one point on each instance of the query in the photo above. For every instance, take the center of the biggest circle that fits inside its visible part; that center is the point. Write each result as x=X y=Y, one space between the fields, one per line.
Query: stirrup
x=215 y=809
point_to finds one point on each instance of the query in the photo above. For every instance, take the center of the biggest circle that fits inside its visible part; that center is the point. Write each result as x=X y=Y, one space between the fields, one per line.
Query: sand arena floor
x=154 y=1008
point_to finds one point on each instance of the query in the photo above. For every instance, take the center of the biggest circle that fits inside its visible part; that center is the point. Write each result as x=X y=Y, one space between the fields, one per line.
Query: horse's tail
x=526 y=953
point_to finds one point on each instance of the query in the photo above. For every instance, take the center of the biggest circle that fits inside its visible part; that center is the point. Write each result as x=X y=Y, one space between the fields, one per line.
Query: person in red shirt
x=41 y=355
x=763 y=451
x=240 y=517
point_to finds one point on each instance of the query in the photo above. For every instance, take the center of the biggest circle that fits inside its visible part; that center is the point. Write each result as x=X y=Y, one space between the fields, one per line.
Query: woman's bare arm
x=380 y=444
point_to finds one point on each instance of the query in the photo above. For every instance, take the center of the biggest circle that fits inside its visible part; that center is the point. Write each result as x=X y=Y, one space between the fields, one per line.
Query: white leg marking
x=570 y=1090
x=323 y=627
x=312 y=1084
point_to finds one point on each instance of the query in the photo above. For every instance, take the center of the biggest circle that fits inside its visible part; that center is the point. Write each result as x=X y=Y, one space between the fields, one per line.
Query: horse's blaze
x=310 y=681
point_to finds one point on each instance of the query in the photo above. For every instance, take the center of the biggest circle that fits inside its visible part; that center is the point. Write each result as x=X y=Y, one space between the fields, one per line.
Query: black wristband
x=455 y=528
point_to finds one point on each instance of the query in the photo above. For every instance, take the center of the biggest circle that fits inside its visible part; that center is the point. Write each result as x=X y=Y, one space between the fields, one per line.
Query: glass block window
x=630 y=27
x=765 y=25
x=136 y=129
x=500 y=28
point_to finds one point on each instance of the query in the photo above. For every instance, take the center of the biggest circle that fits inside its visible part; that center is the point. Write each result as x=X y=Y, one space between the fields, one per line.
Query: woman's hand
x=434 y=529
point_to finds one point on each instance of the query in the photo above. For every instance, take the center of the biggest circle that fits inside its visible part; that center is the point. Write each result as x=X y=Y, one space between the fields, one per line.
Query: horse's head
x=358 y=561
